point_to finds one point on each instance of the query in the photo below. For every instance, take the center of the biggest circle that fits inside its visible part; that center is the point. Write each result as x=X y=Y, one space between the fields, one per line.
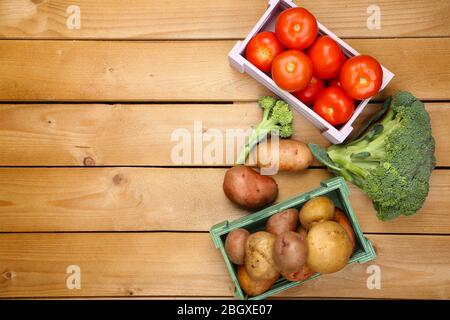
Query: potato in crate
x=320 y=228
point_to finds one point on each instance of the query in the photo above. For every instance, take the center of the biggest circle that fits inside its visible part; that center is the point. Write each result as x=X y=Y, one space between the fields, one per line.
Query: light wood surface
x=138 y=199
x=185 y=71
x=80 y=135
x=171 y=264
x=203 y=19
x=86 y=176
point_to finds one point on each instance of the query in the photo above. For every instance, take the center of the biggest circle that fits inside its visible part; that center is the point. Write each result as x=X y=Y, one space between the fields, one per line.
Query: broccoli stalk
x=392 y=161
x=277 y=116
x=366 y=153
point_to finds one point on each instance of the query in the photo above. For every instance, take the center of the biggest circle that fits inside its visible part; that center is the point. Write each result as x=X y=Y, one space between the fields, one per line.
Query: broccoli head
x=392 y=161
x=277 y=116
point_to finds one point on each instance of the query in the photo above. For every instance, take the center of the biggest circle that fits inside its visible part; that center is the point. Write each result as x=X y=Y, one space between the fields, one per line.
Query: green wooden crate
x=336 y=189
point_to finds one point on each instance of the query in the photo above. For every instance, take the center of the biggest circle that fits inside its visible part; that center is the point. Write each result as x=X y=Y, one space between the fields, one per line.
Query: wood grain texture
x=188 y=265
x=104 y=135
x=118 y=223
x=185 y=71
x=202 y=19
x=146 y=199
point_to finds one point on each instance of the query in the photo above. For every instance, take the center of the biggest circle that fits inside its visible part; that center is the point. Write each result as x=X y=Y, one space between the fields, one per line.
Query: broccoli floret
x=277 y=116
x=267 y=102
x=392 y=161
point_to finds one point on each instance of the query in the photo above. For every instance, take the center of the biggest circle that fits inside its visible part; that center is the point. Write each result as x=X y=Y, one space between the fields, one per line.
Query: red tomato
x=309 y=94
x=327 y=57
x=334 y=82
x=334 y=105
x=262 y=49
x=296 y=28
x=361 y=77
x=292 y=70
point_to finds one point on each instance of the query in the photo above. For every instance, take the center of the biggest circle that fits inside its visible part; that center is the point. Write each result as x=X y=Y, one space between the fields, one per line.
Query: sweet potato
x=291 y=155
x=253 y=287
x=342 y=219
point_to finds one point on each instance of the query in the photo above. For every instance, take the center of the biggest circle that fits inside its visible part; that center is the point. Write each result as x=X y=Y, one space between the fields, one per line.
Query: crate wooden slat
x=185 y=71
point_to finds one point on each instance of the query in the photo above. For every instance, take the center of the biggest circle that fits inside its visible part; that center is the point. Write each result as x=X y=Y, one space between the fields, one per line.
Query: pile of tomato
x=313 y=67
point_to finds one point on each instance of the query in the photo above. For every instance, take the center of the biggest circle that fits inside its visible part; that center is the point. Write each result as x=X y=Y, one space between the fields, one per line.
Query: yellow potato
x=251 y=286
x=259 y=256
x=291 y=155
x=315 y=210
x=329 y=247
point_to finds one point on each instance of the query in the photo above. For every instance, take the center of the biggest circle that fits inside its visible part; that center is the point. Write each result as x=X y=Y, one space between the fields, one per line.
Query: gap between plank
x=116 y=102
x=200 y=232
x=156 y=167
x=164 y=102
x=201 y=39
x=181 y=298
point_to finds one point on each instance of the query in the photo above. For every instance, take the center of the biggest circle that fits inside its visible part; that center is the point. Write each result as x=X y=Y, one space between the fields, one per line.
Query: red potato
x=342 y=219
x=304 y=273
x=291 y=155
x=253 y=287
x=235 y=245
x=289 y=252
x=249 y=189
x=286 y=220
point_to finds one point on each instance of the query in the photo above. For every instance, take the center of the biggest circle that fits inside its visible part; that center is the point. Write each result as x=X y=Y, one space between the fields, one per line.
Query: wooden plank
x=78 y=135
x=165 y=264
x=146 y=199
x=184 y=71
x=141 y=19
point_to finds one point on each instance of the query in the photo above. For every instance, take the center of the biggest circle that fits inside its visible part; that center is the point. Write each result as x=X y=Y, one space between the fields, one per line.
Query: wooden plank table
x=86 y=117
